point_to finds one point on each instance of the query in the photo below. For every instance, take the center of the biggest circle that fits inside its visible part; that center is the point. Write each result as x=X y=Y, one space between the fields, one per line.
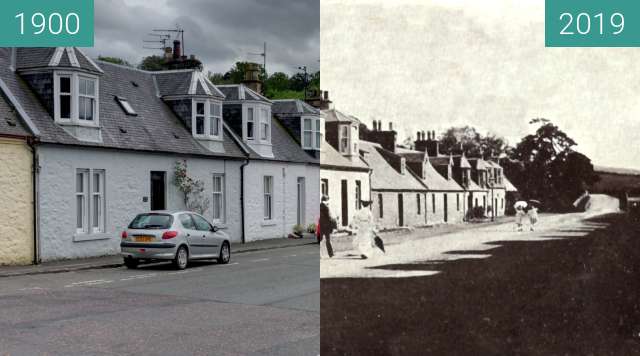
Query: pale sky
x=432 y=64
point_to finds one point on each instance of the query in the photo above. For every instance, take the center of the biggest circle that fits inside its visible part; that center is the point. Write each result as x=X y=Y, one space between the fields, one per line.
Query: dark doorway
x=345 y=203
x=400 y=210
x=446 y=207
x=158 y=191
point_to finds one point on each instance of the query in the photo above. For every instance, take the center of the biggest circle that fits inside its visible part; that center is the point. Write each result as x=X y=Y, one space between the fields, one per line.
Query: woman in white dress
x=363 y=226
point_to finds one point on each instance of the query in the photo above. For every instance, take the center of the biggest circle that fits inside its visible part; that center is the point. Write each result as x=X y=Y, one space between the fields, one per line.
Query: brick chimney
x=168 y=54
x=252 y=80
x=386 y=139
x=177 y=50
x=430 y=144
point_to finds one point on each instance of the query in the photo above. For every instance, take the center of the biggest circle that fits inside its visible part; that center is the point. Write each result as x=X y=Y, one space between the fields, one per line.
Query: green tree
x=114 y=60
x=545 y=166
x=152 y=63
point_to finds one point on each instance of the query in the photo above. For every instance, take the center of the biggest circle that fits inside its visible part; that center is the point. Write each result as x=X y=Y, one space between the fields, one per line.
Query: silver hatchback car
x=179 y=237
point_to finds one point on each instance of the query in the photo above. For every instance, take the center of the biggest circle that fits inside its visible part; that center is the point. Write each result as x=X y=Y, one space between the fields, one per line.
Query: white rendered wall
x=127 y=182
x=334 y=178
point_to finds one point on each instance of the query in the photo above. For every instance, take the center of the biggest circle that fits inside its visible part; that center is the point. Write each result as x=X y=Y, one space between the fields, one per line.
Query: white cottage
x=109 y=138
x=281 y=181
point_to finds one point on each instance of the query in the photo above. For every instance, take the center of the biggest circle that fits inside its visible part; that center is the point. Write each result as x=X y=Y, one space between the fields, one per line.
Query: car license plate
x=145 y=238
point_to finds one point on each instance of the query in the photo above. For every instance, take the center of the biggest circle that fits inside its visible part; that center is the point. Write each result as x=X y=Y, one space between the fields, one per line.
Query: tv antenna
x=264 y=57
x=178 y=31
x=162 y=38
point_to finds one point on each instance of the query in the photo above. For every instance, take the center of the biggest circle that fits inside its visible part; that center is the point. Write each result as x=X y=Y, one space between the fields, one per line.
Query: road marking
x=88 y=283
x=139 y=276
x=260 y=260
x=32 y=288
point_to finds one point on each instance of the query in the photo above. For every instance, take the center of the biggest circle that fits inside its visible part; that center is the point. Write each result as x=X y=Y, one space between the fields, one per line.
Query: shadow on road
x=575 y=295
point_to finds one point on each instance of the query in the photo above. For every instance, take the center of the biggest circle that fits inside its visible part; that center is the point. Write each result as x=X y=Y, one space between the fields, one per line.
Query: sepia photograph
x=480 y=191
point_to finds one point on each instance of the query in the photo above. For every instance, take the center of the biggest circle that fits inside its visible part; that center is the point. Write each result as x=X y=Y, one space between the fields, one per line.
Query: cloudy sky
x=218 y=32
x=431 y=64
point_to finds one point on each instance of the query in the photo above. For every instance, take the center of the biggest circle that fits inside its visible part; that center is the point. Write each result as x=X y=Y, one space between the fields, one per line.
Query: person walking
x=520 y=214
x=327 y=224
x=532 y=214
x=366 y=241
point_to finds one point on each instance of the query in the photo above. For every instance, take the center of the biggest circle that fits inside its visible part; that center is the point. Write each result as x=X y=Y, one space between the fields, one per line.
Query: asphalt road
x=569 y=295
x=263 y=303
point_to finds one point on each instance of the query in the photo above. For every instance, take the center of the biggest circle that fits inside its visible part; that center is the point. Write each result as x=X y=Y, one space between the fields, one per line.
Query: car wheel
x=131 y=263
x=225 y=254
x=182 y=258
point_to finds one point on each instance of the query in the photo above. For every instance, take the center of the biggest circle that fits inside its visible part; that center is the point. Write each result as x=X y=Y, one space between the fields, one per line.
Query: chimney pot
x=418 y=136
x=390 y=126
x=433 y=134
x=429 y=135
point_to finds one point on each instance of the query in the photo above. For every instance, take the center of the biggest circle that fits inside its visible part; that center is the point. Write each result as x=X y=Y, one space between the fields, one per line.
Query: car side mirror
x=214 y=229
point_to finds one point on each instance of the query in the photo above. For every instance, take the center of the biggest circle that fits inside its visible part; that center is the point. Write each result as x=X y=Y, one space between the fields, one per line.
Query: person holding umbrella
x=532 y=214
x=520 y=213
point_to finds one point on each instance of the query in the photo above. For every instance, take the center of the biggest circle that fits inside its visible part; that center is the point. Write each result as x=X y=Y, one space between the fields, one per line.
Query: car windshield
x=152 y=221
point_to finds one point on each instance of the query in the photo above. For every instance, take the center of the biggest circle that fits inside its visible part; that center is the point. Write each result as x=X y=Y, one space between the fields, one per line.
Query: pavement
x=116 y=261
x=264 y=302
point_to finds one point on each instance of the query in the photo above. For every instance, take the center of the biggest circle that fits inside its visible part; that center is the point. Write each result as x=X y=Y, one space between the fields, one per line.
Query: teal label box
x=46 y=23
x=592 y=23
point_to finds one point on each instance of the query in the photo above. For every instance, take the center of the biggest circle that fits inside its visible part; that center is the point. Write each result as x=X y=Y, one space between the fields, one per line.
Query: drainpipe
x=242 y=235
x=36 y=211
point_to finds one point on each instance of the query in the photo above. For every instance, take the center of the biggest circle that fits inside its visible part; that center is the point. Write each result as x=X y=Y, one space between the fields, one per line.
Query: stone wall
x=16 y=205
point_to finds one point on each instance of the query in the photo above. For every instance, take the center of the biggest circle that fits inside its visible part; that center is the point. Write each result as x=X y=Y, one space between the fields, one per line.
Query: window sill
x=78 y=237
x=208 y=138
x=268 y=223
x=93 y=124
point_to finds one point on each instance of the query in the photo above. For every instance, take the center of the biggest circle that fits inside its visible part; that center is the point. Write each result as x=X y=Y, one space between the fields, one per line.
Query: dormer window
x=344 y=139
x=250 y=123
x=265 y=125
x=207 y=119
x=311 y=133
x=76 y=98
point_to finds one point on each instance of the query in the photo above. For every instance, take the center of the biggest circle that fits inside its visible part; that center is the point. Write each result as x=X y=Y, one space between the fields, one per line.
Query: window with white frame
x=311 y=133
x=250 y=123
x=86 y=98
x=90 y=201
x=97 y=201
x=218 y=198
x=75 y=98
x=344 y=139
x=207 y=119
x=268 y=197
x=215 y=119
x=265 y=125
x=199 y=119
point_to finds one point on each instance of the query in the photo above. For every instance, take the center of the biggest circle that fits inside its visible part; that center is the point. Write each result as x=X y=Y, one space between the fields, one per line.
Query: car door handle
x=188 y=235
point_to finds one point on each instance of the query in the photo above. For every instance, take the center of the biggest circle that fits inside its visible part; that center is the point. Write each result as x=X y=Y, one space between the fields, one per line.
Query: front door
x=301 y=200
x=158 y=191
x=446 y=207
x=400 y=210
x=345 y=203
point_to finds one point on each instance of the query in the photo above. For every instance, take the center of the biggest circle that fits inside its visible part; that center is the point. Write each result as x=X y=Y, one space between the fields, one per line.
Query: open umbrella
x=533 y=201
x=520 y=204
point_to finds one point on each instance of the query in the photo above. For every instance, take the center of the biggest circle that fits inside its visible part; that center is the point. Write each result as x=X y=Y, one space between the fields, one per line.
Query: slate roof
x=286 y=148
x=293 y=107
x=436 y=182
x=239 y=92
x=440 y=160
x=155 y=129
x=54 y=57
x=384 y=176
x=10 y=122
x=508 y=185
x=333 y=115
x=330 y=158
x=185 y=82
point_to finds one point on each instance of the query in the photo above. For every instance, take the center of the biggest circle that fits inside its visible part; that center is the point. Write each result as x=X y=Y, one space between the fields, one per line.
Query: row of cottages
x=345 y=177
x=105 y=143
